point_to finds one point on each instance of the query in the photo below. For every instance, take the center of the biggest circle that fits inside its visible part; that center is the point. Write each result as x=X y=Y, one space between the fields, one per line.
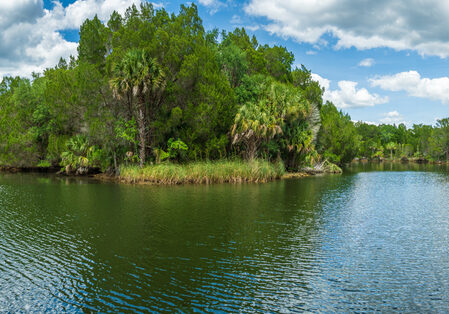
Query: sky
x=383 y=61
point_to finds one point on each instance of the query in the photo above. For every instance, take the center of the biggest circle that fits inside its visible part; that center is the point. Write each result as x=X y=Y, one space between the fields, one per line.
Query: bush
x=79 y=156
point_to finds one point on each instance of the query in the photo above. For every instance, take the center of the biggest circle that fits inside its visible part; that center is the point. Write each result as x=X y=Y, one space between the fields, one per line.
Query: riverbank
x=418 y=160
x=13 y=169
x=202 y=172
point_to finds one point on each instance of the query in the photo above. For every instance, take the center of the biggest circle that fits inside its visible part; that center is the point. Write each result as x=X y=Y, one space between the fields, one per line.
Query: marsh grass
x=235 y=171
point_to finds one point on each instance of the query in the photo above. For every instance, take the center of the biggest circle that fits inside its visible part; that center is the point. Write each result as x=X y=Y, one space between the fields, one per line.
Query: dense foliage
x=150 y=86
x=341 y=140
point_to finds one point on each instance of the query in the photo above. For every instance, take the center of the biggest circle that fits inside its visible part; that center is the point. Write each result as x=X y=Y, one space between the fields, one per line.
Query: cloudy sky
x=384 y=61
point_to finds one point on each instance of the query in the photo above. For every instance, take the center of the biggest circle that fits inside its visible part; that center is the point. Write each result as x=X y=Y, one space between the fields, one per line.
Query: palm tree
x=137 y=75
x=391 y=146
x=253 y=126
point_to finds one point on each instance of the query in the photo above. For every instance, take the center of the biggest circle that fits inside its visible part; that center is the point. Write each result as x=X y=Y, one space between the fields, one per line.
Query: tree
x=233 y=63
x=441 y=138
x=138 y=75
x=275 y=112
x=254 y=125
x=338 y=138
x=93 y=42
x=391 y=146
x=421 y=137
x=278 y=62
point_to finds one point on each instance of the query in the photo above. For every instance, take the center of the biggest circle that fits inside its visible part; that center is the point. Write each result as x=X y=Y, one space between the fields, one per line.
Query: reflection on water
x=394 y=166
x=363 y=241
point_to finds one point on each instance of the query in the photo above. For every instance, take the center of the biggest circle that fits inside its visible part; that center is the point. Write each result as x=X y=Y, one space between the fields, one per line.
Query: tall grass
x=203 y=172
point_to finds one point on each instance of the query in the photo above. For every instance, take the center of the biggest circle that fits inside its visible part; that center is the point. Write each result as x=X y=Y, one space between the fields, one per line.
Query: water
x=364 y=241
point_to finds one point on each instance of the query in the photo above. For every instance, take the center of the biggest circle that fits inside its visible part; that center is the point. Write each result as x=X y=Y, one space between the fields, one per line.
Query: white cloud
x=157 y=5
x=348 y=95
x=252 y=28
x=367 y=62
x=399 y=24
x=414 y=85
x=213 y=5
x=207 y=2
x=311 y=52
x=392 y=117
x=29 y=38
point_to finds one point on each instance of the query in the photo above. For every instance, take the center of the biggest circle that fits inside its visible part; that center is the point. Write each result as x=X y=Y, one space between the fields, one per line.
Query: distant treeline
x=150 y=86
x=341 y=139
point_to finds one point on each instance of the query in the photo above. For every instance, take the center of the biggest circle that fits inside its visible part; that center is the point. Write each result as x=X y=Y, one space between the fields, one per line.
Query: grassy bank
x=204 y=172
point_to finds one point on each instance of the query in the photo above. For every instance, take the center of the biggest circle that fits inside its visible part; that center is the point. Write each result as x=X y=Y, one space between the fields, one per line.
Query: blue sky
x=382 y=61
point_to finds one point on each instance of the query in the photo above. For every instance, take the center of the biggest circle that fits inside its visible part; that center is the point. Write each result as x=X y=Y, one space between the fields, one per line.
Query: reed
x=233 y=171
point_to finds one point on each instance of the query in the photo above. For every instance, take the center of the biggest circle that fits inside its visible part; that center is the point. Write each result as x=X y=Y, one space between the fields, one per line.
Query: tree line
x=150 y=86
x=341 y=140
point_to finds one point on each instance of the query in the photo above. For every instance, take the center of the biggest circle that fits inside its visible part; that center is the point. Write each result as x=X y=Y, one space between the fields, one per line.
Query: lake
x=373 y=239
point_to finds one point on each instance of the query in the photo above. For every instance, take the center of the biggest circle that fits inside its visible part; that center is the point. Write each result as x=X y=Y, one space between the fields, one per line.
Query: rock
x=82 y=171
x=421 y=161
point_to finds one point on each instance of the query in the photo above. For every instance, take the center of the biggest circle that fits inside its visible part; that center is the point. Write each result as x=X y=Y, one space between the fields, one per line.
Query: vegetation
x=341 y=140
x=204 y=172
x=151 y=87
x=338 y=138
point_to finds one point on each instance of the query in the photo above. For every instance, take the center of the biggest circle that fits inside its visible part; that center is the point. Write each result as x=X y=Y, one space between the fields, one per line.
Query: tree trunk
x=142 y=139
x=252 y=146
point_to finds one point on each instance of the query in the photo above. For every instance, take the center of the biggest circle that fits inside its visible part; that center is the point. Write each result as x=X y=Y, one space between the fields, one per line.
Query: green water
x=374 y=239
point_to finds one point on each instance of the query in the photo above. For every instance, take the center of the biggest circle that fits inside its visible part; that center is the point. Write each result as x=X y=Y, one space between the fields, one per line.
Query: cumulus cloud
x=30 y=39
x=414 y=85
x=398 y=24
x=392 y=117
x=348 y=95
x=19 y=11
x=366 y=63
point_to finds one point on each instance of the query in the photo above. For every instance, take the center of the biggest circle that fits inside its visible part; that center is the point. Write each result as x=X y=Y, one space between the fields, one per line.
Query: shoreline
x=116 y=179
x=163 y=180
x=166 y=178
x=400 y=160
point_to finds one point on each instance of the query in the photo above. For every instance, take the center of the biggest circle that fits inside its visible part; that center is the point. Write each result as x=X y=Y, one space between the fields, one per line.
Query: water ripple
x=365 y=242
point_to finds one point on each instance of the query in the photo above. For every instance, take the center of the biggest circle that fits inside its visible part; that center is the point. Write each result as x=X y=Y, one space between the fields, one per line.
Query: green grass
x=203 y=172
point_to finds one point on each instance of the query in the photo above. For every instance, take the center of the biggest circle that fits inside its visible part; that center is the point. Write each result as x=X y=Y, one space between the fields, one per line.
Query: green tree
x=254 y=124
x=338 y=138
x=93 y=44
x=138 y=75
x=441 y=138
x=391 y=146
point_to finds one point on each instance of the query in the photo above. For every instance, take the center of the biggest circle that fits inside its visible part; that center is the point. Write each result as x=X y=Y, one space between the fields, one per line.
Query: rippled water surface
x=371 y=240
